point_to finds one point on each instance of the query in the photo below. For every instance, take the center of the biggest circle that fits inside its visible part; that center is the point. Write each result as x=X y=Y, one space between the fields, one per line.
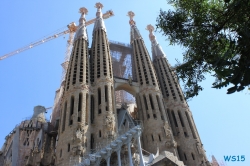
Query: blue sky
x=32 y=77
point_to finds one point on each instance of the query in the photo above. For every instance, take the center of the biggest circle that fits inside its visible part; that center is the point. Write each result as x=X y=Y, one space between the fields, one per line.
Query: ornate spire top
x=82 y=19
x=81 y=31
x=150 y=28
x=99 y=23
x=99 y=7
x=134 y=34
x=131 y=16
x=156 y=48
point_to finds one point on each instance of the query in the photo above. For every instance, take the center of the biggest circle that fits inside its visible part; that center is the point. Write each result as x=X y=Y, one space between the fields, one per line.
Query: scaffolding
x=122 y=67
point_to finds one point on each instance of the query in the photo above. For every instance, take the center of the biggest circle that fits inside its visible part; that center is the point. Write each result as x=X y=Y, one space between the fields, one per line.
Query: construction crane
x=71 y=30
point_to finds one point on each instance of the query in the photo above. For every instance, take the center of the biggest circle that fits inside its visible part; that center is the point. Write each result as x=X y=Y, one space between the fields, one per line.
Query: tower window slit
x=92 y=141
x=71 y=110
x=145 y=101
x=80 y=102
x=191 y=126
x=160 y=109
x=193 y=156
x=185 y=156
x=151 y=102
x=152 y=137
x=100 y=133
x=182 y=123
x=179 y=153
x=175 y=121
x=159 y=137
x=87 y=110
x=99 y=101
x=64 y=116
x=106 y=93
x=92 y=105
x=68 y=147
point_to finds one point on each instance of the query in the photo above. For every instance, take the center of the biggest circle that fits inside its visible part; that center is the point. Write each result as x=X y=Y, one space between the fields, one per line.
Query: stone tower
x=103 y=117
x=189 y=145
x=74 y=118
x=157 y=132
x=89 y=128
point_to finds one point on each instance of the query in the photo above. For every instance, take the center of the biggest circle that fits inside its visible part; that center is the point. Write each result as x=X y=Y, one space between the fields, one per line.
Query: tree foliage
x=216 y=38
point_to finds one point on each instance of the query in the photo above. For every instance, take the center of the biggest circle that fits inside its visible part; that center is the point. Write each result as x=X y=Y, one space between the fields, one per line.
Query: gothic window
x=171 y=121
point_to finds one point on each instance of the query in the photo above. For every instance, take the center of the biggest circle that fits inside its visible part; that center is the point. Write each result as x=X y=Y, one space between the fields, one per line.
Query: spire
x=81 y=31
x=134 y=34
x=99 y=23
x=156 y=48
x=214 y=161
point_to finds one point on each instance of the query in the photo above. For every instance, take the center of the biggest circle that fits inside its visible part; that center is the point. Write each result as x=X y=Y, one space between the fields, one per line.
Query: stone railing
x=134 y=131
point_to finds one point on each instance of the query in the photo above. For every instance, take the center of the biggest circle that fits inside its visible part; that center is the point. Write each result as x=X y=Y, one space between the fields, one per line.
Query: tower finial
x=131 y=16
x=81 y=30
x=150 y=28
x=156 y=48
x=83 y=11
x=99 y=7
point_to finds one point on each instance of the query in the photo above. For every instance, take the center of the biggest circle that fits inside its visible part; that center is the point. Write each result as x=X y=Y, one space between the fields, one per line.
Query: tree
x=216 y=38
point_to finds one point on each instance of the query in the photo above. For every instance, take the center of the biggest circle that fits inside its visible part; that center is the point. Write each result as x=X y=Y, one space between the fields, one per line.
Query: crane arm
x=34 y=44
x=71 y=29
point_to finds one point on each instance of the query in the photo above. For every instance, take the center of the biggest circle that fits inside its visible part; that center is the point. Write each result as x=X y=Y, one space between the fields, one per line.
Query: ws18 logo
x=234 y=158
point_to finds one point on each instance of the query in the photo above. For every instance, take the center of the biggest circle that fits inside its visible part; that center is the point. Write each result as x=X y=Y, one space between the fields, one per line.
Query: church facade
x=88 y=128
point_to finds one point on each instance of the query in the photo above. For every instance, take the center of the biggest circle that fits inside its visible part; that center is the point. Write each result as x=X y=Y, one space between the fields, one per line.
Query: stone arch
x=126 y=85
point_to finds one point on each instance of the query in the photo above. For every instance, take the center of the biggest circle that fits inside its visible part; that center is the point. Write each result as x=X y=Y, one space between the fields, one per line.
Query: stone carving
x=110 y=122
x=167 y=130
x=174 y=144
x=79 y=134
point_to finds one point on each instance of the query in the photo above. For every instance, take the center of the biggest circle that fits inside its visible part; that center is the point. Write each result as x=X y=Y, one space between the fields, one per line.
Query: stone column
x=129 y=154
x=119 y=157
x=138 y=134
